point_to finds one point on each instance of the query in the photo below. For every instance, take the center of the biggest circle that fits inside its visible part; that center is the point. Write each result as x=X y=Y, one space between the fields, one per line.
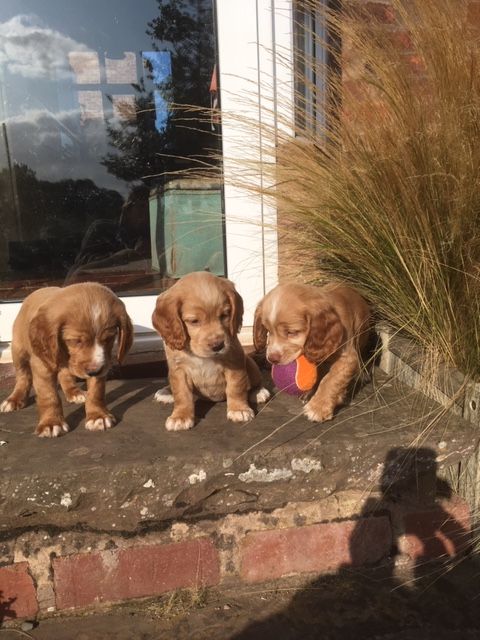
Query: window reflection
x=91 y=143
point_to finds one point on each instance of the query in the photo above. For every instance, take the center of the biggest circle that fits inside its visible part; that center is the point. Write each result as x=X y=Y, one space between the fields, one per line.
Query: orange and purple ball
x=295 y=378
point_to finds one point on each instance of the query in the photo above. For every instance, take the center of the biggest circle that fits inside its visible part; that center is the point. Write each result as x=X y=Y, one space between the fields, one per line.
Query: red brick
x=17 y=592
x=85 y=579
x=436 y=532
x=415 y=63
x=401 y=40
x=381 y=11
x=315 y=548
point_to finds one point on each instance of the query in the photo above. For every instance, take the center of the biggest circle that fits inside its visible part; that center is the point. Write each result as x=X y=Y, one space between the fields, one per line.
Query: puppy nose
x=93 y=372
x=217 y=345
x=274 y=357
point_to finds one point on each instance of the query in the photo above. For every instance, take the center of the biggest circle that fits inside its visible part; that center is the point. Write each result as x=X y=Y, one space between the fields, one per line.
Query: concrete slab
x=138 y=475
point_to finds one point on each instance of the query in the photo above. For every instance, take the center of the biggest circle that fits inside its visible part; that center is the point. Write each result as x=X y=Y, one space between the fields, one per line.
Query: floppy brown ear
x=125 y=334
x=43 y=334
x=167 y=321
x=236 y=302
x=259 y=330
x=326 y=333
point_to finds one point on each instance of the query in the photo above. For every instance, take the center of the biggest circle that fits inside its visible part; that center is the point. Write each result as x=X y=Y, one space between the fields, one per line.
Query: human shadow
x=424 y=529
x=6 y=612
x=417 y=591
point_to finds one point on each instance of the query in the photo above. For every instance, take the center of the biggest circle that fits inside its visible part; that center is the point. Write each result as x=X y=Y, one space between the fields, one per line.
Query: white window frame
x=255 y=42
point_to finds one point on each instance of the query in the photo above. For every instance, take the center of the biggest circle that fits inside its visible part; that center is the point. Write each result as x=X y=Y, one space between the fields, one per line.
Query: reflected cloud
x=32 y=50
x=56 y=146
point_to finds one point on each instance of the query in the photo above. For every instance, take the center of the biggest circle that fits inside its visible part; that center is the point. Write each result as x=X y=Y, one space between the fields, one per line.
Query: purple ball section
x=283 y=376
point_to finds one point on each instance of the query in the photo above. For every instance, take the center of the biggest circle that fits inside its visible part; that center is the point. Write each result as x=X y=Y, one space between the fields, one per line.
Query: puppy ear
x=43 y=334
x=167 y=321
x=236 y=302
x=326 y=334
x=125 y=333
x=259 y=330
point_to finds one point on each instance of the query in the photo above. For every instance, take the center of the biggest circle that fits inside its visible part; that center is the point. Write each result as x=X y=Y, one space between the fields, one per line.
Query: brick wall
x=249 y=548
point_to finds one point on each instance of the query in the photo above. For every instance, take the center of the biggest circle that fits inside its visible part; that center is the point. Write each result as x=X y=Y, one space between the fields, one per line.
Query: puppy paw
x=259 y=396
x=10 y=404
x=164 y=396
x=76 y=395
x=179 y=424
x=318 y=413
x=99 y=422
x=58 y=428
x=241 y=415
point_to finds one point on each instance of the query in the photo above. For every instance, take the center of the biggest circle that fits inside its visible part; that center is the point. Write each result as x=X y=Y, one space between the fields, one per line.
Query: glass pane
x=310 y=67
x=95 y=159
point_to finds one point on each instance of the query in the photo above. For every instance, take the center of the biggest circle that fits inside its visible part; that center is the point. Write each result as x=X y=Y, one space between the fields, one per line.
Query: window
x=94 y=153
x=310 y=67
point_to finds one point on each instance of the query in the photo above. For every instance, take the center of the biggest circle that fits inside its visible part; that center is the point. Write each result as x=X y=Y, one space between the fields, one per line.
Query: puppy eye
x=74 y=342
x=193 y=321
x=292 y=333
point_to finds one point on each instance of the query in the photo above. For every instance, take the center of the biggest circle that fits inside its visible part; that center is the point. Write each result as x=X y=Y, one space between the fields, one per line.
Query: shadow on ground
x=401 y=600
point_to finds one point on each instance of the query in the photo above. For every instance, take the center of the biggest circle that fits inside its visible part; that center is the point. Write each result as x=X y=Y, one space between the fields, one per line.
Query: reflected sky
x=117 y=25
x=52 y=101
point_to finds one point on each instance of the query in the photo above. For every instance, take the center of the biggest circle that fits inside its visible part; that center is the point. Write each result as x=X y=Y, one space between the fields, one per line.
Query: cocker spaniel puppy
x=61 y=334
x=199 y=318
x=331 y=326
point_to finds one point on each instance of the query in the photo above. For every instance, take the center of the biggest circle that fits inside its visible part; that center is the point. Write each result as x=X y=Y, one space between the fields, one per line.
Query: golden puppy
x=60 y=334
x=199 y=318
x=330 y=326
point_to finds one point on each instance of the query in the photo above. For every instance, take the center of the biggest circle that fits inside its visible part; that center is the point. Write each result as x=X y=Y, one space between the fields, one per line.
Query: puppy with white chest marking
x=331 y=326
x=61 y=334
x=199 y=318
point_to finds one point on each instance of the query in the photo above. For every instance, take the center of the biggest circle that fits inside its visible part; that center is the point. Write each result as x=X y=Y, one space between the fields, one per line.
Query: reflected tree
x=44 y=228
x=185 y=28
x=137 y=142
x=54 y=208
x=141 y=149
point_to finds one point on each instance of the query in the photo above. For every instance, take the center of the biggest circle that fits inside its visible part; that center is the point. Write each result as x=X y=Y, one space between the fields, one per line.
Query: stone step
x=98 y=517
